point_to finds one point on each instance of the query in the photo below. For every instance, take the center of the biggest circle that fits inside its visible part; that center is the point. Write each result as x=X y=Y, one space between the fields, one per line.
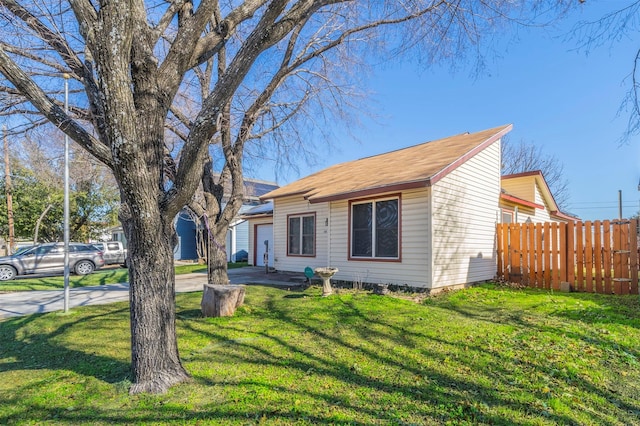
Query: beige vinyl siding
x=542 y=215
x=413 y=270
x=521 y=187
x=535 y=215
x=465 y=205
x=252 y=231
x=293 y=206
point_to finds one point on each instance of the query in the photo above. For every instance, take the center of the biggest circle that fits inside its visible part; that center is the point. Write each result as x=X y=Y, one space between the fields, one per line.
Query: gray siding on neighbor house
x=237 y=240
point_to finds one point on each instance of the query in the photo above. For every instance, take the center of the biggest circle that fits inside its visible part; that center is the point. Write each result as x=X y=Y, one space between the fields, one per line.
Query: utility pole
x=620 y=204
x=9 y=191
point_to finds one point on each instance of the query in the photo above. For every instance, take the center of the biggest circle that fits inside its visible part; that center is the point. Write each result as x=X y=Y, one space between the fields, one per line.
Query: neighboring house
x=114 y=233
x=422 y=216
x=190 y=231
x=526 y=197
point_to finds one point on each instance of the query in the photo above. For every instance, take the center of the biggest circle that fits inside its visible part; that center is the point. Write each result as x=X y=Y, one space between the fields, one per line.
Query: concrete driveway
x=34 y=302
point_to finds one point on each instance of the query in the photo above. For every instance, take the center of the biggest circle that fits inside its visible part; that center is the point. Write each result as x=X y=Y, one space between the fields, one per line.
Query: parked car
x=113 y=252
x=49 y=258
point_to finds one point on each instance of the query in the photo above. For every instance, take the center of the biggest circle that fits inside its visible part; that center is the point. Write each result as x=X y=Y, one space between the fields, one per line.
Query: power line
x=600 y=202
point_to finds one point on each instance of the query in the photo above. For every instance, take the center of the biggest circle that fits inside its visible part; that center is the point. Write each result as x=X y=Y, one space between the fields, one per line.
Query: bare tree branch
x=49 y=109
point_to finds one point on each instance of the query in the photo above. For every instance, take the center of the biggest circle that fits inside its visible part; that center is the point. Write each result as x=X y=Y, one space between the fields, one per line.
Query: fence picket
x=579 y=257
x=588 y=256
x=555 y=266
x=571 y=253
x=546 y=251
x=539 y=256
x=633 y=261
x=617 y=258
x=524 y=259
x=606 y=254
x=597 y=255
x=532 y=255
x=563 y=251
x=625 y=279
x=514 y=243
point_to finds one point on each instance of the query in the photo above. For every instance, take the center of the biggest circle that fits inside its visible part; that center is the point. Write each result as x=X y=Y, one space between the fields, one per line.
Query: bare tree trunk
x=38 y=222
x=155 y=360
x=217 y=261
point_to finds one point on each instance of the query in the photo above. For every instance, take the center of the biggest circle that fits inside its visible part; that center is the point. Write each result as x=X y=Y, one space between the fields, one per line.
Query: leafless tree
x=621 y=23
x=523 y=156
x=133 y=69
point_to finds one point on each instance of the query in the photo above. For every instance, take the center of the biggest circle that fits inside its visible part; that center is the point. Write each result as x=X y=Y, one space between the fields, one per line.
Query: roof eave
x=267 y=196
x=368 y=192
x=520 y=201
x=565 y=216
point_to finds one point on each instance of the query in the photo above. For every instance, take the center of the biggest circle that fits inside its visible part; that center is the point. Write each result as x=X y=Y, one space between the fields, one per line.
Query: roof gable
x=527 y=185
x=412 y=167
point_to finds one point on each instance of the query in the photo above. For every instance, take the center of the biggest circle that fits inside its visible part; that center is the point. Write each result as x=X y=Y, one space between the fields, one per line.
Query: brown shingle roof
x=412 y=167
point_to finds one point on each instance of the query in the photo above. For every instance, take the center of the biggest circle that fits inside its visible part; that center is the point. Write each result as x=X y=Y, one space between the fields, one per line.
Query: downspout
x=233 y=236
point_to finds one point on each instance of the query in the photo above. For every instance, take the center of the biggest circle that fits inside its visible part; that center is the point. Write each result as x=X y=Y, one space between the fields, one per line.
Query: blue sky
x=563 y=99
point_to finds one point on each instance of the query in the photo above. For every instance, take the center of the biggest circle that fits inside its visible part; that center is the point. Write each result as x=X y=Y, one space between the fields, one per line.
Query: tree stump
x=221 y=300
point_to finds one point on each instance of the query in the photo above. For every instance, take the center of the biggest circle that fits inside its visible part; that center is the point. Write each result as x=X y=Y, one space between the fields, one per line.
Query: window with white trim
x=375 y=229
x=301 y=238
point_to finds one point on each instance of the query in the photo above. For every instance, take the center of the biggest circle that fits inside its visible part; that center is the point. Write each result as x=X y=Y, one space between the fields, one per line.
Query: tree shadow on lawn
x=583 y=332
x=436 y=394
x=39 y=349
x=561 y=314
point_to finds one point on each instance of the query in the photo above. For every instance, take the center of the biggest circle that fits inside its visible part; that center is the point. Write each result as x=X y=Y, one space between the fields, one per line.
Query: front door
x=264 y=233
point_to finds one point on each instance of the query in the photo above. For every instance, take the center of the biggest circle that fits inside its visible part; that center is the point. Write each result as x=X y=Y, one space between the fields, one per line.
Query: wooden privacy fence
x=595 y=257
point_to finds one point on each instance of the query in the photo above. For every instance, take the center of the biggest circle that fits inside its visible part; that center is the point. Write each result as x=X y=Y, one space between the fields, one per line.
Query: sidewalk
x=33 y=302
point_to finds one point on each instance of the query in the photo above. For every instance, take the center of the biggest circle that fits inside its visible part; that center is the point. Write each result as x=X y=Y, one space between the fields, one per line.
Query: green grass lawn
x=99 y=277
x=487 y=355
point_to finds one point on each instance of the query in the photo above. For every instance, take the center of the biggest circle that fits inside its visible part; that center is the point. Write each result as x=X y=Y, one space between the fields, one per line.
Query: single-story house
x=534 y=203
x=422 y=216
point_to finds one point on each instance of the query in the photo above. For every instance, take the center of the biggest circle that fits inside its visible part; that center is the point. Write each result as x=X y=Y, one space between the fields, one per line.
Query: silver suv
x=49 y=258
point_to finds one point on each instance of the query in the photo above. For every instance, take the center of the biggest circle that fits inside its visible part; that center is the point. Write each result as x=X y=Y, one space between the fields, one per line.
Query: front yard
x=487 y=355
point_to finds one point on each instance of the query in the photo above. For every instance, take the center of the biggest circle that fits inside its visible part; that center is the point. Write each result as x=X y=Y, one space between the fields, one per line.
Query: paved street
x=32 y=302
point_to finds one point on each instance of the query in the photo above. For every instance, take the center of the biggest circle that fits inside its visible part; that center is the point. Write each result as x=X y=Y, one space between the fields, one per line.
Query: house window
x=375 y=229
x=507 y=216
x=301 y=240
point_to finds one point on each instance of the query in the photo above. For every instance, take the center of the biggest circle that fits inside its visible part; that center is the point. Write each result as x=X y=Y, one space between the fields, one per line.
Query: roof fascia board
x=293 y=194
x=371 y=191
x=517 y=200
x=548 y=195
